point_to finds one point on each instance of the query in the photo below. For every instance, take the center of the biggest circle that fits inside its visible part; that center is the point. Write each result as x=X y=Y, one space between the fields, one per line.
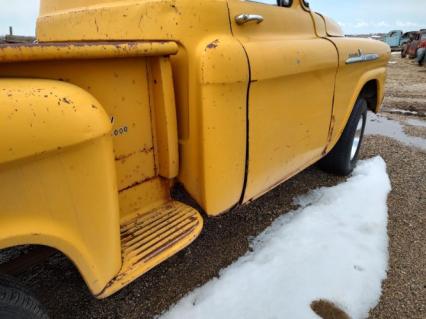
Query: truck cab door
x=291 y=89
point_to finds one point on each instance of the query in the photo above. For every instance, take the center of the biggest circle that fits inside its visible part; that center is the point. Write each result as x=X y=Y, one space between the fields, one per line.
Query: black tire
x=343 y=157
x=17 y=303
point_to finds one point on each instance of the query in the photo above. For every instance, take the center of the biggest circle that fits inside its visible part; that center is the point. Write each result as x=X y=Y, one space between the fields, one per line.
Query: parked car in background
x=397 y=39
x=393 y=39
x=411 y=47
x=406 y=37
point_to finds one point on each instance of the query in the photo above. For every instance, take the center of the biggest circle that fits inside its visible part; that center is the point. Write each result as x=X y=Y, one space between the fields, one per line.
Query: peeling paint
x=137 y=183
x=125 y=156
x=213 y=45
x=86 y=50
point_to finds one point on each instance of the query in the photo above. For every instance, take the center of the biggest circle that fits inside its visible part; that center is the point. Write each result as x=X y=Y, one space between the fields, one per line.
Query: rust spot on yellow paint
x=126 y=156
x=213 y=45
x=330 y=133
x=137 y=184
x=66 y=100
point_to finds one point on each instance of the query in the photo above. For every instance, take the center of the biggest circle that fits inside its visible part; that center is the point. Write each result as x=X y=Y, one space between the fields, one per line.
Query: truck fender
x=39 y=116
x=59 y=184
x=378 y=75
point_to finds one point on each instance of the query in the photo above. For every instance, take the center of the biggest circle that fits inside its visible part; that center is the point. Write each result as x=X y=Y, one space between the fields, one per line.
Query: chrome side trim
x=362 y=58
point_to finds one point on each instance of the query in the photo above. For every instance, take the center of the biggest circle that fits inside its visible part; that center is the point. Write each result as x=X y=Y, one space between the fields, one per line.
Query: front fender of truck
x=355 y=74
x=58 y=179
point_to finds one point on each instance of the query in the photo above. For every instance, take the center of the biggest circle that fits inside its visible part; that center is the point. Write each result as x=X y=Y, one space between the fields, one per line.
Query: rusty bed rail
x=84 y=50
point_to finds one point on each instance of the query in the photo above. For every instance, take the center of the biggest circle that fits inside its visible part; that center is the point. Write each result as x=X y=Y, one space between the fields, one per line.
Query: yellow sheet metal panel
x=291 y=92
x=214 y=155
x=66 y=200
x=319 y=24
x=39 y=116
x=195 y=24
x=165 y=120
x=84 y=50
x=138 y=19
x=144 y=197
x=351 y=78
x=121 y=86
x=135 y=169
x=332 y=28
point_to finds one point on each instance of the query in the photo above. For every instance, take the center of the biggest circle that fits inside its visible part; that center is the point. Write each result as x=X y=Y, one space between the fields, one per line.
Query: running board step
x=149 y=239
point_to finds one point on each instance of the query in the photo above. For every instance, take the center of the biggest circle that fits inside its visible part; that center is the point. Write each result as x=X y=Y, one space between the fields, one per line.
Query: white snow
x=381 y=125
x=334 y=247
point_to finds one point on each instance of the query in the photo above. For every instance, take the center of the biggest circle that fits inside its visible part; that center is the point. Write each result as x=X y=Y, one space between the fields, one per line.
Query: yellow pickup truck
x=119 y=101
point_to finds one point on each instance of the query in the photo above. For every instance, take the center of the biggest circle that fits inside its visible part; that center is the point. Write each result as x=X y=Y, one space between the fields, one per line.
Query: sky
x=355 y=17
x=371 y=16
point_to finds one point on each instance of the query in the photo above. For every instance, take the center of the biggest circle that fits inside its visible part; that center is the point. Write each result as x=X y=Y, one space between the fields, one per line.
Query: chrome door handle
x=244 y=18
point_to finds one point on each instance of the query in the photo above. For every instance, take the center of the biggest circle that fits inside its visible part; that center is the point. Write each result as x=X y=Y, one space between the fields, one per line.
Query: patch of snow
x=379 y=125
x=334 y=247
x=415 y=122
x=399 y=111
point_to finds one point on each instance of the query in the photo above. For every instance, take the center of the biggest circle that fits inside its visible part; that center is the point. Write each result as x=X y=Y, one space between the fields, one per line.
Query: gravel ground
x=59 y=286
x=404 y=294
x=405 y=86
x=415 y=131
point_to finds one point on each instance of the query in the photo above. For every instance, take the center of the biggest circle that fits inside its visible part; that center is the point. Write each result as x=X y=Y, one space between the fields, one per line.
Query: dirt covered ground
x=58 y=285
x=404 y=292
x=405 y=86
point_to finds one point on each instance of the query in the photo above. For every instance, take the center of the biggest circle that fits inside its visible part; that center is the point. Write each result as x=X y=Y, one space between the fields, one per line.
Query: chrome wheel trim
x=357 y=138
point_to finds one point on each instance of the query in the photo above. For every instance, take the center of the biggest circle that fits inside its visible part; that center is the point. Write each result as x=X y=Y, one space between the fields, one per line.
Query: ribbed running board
x=151 y=238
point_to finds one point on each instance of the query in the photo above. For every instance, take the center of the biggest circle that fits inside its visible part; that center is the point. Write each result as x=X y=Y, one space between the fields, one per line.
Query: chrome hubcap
x=357 y=138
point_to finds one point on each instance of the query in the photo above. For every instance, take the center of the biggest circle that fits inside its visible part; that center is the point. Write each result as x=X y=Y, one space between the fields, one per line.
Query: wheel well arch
x=27 y=256
x=68 y=245
x=369 y=86
x=370 y=93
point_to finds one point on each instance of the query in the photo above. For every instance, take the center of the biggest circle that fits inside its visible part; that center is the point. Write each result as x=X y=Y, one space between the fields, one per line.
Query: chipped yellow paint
x=109 y=96
x=210 y=74
x=66 y=199
x=96 y=50
x=164 y=113
x=150 y=238
x=38 y=116
x=351 y=79
x=164 y=91
x=291 y=94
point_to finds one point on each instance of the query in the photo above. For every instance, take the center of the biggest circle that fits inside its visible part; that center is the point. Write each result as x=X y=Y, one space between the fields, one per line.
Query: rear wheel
x=17 y=303
x=343 y=157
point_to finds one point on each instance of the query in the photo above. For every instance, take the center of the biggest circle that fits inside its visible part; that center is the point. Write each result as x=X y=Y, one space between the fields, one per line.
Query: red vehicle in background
x=418 y=40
